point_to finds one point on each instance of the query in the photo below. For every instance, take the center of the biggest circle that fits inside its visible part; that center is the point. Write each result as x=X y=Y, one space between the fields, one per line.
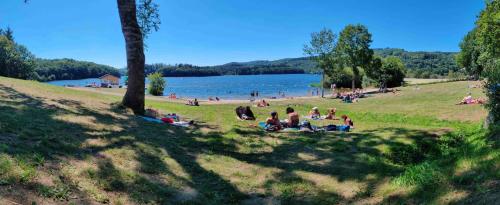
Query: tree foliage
x=387 y=72
x=69 y=69
x=156 y=84
x=8 y=32
x=468 y=58
x=321 y=48
x=481 y=49
x=15 y=60
x=188 y=70
x=423 y=64
x=487 y=37
x=354 y=50
x=148 y=17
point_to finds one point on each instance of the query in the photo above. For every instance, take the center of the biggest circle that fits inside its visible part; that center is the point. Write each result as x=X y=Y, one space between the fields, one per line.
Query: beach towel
x=267 y=127
x=149 y=119
x=181 y=124
x=315 y=118
x=343 y=128
x=167 y=121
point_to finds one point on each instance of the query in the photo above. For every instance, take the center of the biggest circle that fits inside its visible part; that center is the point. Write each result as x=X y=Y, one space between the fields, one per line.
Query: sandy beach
x=121 y=92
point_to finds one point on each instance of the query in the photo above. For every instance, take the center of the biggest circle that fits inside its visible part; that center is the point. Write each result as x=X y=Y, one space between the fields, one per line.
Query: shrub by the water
x=156 y=84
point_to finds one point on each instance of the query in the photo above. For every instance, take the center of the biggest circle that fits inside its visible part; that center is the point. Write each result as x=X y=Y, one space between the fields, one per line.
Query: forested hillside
x=422 y=64
x=419 y=64
x=69 y=69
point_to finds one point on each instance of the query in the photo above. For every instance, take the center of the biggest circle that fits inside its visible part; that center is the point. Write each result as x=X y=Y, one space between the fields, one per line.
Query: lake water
x=229 y=86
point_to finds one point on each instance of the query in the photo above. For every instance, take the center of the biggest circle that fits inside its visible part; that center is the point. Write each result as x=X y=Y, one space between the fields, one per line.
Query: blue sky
x=210 y=32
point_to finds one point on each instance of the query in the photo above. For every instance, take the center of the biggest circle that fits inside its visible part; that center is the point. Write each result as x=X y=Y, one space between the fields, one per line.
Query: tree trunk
x=323 y=85
x=353 y=83
x=134 y=97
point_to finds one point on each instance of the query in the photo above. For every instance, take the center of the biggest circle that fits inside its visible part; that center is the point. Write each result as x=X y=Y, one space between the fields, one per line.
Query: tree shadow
x=32 y=126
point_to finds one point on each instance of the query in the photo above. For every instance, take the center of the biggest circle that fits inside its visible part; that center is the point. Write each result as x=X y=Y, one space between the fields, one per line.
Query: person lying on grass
x=273 y=123
x=331 y=114
x=348 y=121
x=262 y=103
x=314 y=113
x=469 y=100
x=293 y=118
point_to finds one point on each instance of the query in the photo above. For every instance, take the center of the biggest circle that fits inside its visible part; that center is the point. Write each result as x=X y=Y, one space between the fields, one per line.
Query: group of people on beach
x=193 y=102
x=292 y=120
x=314 y=92
x=213 y=99
x=350 y=97
x=315 y=114
x=172 y=96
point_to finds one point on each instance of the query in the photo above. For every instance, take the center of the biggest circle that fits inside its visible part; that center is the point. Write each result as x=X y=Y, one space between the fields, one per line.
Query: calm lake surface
x=229 y=86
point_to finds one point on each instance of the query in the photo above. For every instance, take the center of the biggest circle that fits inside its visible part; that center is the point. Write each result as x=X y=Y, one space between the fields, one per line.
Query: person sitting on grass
x=293 y=119
x=348 y=121
x=273 y=123
x=314 y=113
x=262 y=103
x=244 y=113
x=193 y=102
x=331 y=114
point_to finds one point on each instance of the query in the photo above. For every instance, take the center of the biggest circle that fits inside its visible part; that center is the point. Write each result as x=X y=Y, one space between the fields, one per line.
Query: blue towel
x=343 y=128
x=149 y=119
x=262 y=125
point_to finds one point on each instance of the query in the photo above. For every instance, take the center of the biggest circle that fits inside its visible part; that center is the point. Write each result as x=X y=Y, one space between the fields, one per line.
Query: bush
x=156 y=84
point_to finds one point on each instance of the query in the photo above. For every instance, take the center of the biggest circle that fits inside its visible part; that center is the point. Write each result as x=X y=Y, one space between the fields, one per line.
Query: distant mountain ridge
x=418 y=63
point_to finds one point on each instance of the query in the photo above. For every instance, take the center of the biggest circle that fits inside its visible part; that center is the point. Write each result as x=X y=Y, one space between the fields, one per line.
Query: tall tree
x=468 y=57
x=134 y=97
x=487 y=37
x=134 y=32
x=486 y=54
x=353 y=47
x=321 y=48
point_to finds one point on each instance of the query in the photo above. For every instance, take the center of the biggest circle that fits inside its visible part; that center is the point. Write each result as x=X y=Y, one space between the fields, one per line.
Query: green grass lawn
x=64 y=146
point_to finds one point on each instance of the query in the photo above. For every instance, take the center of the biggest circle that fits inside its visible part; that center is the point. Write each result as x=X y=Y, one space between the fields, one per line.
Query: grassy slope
x=59 y=145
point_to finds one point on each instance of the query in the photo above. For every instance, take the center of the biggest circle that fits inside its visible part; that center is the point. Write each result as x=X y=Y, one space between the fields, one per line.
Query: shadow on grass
x=30 y=129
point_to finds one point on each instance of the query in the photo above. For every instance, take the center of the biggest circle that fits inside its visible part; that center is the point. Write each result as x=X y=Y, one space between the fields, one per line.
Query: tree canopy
x=15 y=60
x=423 y=64
x=387 y=72
x=480 y=52
x=353 y=48
x=468 y=58
x=69 y=69
x=321 y=48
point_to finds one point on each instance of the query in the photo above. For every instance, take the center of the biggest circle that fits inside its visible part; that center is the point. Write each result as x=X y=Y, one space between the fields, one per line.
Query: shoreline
x=121 y=91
